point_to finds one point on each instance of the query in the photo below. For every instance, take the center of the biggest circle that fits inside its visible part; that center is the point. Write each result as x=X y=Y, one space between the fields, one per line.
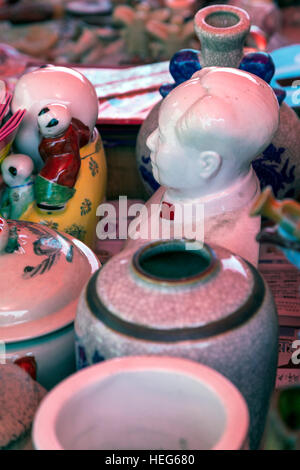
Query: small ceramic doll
x=201 y=154
x=19 y=193
x=60 y=150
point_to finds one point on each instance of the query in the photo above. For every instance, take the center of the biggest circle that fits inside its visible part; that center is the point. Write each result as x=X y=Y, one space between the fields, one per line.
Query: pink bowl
x=143 y=403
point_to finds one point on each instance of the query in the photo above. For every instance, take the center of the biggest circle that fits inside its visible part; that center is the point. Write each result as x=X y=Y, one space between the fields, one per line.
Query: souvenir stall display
x=149 y=226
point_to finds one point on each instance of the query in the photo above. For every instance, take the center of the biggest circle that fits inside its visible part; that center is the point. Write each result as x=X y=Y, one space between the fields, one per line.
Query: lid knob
x=4 y=234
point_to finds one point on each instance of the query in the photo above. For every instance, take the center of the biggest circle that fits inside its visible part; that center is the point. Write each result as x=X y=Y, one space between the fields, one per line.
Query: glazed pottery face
x=205 y=140
x=143 y=403
x=47 y=85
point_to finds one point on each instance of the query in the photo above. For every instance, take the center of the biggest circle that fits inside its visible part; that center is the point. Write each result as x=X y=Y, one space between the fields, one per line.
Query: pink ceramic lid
x=41 y=275
x=224 y=294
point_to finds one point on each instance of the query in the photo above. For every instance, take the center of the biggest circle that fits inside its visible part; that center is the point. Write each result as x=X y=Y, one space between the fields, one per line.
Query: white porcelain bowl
x=143 y=403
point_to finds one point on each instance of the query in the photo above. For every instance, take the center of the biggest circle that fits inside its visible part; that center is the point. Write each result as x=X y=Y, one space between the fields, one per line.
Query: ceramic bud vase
x=222 y=30
x=66 y=180
x=182 y=299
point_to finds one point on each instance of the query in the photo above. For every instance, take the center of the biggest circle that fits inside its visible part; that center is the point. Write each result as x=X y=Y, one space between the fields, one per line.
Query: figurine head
x=54 y=120
x=16 y=169
x=210 y=129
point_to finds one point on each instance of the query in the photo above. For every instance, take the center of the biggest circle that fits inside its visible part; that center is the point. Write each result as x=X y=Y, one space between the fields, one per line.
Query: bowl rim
x=234 y=437
x=56 y=320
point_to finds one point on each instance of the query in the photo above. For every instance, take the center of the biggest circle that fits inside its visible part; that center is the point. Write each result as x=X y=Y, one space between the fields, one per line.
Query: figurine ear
x=209 y=163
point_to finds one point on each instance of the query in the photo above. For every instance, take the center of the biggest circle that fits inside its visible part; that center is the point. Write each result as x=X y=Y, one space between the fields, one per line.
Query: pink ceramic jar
x=180 y=299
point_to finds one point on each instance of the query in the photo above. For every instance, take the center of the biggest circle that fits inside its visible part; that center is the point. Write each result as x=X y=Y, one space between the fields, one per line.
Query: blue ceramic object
x=260 y=64
x=287 y=73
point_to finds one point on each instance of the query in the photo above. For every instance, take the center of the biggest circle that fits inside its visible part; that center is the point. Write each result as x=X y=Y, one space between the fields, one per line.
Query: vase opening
x=174 y=262
x=222 y=19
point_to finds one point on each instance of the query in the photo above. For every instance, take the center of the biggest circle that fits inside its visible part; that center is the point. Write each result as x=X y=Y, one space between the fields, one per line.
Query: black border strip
x=142 y=332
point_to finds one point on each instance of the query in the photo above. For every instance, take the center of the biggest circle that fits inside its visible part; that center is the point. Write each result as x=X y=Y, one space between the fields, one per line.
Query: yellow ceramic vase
x=78 y=218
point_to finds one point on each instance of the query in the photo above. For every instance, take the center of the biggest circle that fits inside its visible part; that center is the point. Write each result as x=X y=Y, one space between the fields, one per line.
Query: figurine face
x=54 y=120
x=16 y=169
x=215 y=123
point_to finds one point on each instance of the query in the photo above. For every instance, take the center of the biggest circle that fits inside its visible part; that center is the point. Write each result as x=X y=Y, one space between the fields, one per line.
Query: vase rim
x=241 y=25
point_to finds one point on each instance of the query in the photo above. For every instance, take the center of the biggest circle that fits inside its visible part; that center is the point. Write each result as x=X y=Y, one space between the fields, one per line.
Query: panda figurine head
x=53 y=120
x=16 y=169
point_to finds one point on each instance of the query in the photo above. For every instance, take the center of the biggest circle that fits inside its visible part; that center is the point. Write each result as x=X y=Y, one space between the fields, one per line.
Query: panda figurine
x=62 y=138
x=19 y=194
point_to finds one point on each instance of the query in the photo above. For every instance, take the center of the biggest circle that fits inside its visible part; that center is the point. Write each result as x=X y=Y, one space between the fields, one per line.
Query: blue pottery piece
x=287 y=71
x=184 y=64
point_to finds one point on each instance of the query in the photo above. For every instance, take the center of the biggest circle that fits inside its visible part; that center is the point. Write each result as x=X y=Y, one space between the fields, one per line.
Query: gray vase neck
x=222 y=30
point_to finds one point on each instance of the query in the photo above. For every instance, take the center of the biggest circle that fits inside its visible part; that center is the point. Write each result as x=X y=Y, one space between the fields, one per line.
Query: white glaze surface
x=44 y=86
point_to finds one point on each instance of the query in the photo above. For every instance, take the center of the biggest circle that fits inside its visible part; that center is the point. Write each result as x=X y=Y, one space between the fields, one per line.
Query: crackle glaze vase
x=42 y=273
x=183 y=299
x=222 y=30
x=67 y=180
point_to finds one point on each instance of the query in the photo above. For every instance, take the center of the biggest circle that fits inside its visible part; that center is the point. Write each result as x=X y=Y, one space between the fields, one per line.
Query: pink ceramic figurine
x=210 y=129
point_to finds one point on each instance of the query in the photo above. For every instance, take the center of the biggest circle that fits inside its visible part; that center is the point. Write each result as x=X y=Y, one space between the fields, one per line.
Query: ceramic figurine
x=183 y=299
x=19 y=192
x=201 y=154
x=222 y=30
x=286 y=215
x=60 y=149
x=41 y=275
x=58 y=133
